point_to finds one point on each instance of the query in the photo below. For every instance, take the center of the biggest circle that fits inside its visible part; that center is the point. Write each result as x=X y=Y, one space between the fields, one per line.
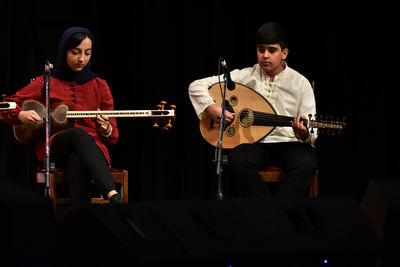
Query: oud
x=255 y=118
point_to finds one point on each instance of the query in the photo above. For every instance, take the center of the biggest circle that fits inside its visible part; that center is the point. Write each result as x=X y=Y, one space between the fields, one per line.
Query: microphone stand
x=49 y=168
x=218 y=148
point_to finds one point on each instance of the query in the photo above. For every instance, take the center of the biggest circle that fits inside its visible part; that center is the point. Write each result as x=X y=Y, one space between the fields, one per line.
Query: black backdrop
x=150 y=51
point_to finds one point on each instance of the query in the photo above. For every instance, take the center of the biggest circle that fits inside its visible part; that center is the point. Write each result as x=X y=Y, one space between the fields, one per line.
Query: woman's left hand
x=104 y=122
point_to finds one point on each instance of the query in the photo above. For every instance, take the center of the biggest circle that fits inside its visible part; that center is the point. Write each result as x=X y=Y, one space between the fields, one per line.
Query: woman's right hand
x=214 y=111
x=30 y=118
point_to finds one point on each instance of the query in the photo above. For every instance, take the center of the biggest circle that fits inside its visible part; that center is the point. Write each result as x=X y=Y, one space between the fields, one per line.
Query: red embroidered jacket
x=85 y=97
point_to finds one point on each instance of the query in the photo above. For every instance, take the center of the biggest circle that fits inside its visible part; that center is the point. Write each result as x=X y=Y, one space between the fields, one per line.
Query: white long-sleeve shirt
x=290 y=93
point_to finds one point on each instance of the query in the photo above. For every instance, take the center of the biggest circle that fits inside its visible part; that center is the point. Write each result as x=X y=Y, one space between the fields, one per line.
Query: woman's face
x=79 y=57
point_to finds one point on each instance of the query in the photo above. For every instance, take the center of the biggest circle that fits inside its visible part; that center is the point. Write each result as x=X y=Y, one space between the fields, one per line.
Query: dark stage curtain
x=150 y=51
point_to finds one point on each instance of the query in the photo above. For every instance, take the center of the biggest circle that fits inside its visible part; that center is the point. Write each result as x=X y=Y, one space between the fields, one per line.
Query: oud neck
x=327 y=124
x=266 y=119
x=120 y=113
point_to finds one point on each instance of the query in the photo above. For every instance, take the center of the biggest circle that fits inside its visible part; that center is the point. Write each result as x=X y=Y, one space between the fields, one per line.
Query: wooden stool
x=277 y=174
x=60 y=177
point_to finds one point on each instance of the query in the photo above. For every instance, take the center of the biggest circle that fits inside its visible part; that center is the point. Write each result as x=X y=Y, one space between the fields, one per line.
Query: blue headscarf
x=62 y=71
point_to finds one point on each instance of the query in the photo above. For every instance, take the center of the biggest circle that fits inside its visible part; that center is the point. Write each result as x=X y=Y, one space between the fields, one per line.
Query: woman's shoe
x=116 y=199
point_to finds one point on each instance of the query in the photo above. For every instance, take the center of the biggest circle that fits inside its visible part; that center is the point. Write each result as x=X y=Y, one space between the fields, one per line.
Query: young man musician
x=290 y=94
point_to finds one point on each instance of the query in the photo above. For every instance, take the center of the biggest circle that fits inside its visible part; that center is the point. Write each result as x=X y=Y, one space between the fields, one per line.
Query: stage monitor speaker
x=381 y=206
x=108 y=235
x=27 y=227
x=308 y=232
x=238 y=232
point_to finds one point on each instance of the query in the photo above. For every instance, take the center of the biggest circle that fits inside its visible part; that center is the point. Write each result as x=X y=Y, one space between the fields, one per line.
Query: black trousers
x=76 y=151
x=297 y=159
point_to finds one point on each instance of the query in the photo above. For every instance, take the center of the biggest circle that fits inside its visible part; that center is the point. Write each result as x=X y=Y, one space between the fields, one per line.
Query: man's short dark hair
x=272 y=33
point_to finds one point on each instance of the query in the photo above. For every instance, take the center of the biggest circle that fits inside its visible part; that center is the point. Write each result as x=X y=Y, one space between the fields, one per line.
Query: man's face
x=270 y=56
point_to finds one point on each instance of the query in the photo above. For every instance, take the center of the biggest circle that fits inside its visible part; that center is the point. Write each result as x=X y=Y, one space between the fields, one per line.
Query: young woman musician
x=81 y=150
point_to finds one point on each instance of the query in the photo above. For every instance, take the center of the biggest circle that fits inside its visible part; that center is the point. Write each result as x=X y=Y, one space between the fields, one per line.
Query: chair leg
x=313 y=192
x=52 y=191
x=124 y=189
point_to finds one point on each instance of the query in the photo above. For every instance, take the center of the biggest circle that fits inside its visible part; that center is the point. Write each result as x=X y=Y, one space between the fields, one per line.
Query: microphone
x=46 y=76
x=227 y=75
x=47 y=67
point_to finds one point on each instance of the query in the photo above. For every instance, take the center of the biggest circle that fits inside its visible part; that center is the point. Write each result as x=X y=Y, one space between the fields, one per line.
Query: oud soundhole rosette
x=230 y=131
x=233 y=100
x=246 y=117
